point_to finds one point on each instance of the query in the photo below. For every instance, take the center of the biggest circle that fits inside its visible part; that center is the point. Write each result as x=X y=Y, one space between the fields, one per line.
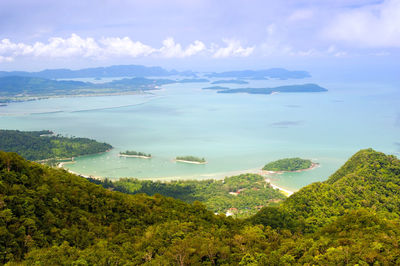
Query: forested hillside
x=369 y=180
x=40 y=145
x=241 y=195
x=51 y=217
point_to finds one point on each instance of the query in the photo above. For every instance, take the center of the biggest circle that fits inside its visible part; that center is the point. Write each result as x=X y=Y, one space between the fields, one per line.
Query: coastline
x=216 y=176
x=93 y=94
x=286 y=192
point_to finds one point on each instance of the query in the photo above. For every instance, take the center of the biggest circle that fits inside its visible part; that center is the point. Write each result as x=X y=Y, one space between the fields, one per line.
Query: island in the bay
x=217 y=88
x=136 y=154
x=310 y=87
x=190 y=159
x=283 y=89
x=231 y=81
x=289 y=165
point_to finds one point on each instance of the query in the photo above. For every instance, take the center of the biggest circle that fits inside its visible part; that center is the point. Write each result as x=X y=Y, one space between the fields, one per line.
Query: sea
x=235 y=133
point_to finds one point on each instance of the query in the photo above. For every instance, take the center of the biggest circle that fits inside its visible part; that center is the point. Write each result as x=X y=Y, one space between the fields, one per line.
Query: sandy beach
x=217 y=176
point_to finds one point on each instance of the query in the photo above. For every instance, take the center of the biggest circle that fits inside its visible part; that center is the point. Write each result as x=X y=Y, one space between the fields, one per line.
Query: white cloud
x=233 y=48
x=6 y=59
x=172 y=49
x=72 y=46
x=106 y=47
x=124 y=47
x=370 y=26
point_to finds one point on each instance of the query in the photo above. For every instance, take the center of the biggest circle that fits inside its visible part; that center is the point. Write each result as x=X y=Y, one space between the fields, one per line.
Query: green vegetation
x=190 y=159
x=282 y=89
x=242 y=195
x=14 y=88
x=279 y=73
x=135 y=153
x=19 y=88
x=288 y=164
x=42 y=145
x=51 y=217
x=369 y=180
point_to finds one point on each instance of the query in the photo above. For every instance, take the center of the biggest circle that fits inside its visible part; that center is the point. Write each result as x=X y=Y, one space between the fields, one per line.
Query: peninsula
x=47 y=147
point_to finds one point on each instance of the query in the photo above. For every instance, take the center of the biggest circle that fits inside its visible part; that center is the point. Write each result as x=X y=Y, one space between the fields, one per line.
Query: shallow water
x=234 y=132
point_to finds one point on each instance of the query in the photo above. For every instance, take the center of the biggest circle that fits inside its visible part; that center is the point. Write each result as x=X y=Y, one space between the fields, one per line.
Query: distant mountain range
x=100 y=72
x=144 y=71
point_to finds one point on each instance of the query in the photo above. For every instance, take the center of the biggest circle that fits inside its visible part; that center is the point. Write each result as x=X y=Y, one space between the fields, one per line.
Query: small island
x=135 y=154
x=190 y=159
x=301 y=88
x=218 y=88
x=232 y=81
x=290 y=165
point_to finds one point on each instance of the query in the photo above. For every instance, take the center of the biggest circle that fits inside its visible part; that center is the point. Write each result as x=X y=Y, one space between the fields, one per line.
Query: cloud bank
x=106 y=47
x=370 y=26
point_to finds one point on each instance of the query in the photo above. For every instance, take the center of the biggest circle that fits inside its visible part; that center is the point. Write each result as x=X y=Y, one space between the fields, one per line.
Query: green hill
x=369 y=179
x=50 y=209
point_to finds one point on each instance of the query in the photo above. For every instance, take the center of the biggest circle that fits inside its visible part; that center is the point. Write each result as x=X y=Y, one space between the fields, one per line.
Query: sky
x=200 y=34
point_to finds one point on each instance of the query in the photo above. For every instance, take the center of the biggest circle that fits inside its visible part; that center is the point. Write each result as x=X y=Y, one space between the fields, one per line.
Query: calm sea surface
x=234 y=132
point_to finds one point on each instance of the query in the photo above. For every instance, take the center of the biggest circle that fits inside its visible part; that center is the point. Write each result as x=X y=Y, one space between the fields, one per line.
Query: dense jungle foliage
x=51 y=217
x=41 y=145
x=288 y=164
x=241 y=195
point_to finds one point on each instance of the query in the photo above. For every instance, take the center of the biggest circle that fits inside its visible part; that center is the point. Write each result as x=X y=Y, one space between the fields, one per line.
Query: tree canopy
x=51 y=217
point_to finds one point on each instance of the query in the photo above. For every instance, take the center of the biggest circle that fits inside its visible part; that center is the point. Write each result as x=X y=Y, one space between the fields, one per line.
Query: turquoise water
x=234 y=132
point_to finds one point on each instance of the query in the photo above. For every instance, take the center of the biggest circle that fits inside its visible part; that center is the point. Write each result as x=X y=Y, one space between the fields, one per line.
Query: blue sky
x=198 y=34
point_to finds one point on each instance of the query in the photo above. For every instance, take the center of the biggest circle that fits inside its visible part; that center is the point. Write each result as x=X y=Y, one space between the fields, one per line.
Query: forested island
x=217 y=88
x=282 y=89
x=230 y=81
x=289 y=165
x=135 y=154
x=51 y=217
x=190 y=159
x=279 y=73
x=192 y=80
x=45 y=145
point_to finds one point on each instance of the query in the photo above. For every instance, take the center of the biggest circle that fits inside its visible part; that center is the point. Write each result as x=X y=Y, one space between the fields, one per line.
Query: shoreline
x=216 y=176
x=93 y=94
x=284 y=191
